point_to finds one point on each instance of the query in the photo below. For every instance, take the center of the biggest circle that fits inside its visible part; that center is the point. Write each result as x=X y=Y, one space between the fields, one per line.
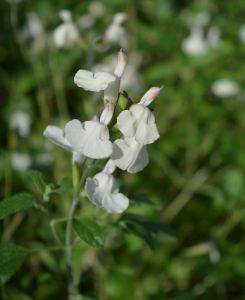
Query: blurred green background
x=193 y=189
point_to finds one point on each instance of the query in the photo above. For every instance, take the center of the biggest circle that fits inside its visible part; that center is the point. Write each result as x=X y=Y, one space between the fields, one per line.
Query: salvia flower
x=139 y=121
x=102 y=191
x=66 y=34
x=129 y=155
x=91 y=138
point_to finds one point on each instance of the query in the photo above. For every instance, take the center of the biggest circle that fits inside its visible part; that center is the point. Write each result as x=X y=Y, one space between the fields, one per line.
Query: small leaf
x=89 y=231
x=15 y=203
x=34 y=180
x=11 y=259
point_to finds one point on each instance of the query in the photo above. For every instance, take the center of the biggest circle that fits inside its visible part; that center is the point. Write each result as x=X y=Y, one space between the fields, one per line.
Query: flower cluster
x=92 y=139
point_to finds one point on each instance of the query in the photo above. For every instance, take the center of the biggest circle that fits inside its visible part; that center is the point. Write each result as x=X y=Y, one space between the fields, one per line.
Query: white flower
x=20 y=121
x=57 y=136
x=195 y=44
x=103 y=81
x=21 y=161
x=94 y=82
x=138 y=122
x=103 y=192
x=225 y=88
x=33 y=28
x=90 y=138
x=66 y=34
x=115 y=33
x=129 y=155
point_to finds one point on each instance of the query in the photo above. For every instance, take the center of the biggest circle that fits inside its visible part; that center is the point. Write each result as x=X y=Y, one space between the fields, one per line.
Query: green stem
x=68 y=242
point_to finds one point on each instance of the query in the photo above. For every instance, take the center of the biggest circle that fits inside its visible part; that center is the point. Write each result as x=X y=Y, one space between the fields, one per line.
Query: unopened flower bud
x=150 y=95
x=121 y=63
x=107 y=114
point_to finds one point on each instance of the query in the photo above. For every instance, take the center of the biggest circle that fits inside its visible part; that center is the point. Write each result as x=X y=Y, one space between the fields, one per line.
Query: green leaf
x=11 y=259
x=89 y=231
x=144 y=228
x=34 y=180
x=15 y=203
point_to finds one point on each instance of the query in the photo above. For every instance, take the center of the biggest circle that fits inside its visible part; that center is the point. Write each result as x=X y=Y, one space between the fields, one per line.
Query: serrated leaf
x=15 y=203
x=89 y=231
x=11 y=259
x=34 y=180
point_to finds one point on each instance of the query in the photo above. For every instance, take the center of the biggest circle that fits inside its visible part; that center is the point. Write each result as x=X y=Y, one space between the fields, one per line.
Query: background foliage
x=183 y=235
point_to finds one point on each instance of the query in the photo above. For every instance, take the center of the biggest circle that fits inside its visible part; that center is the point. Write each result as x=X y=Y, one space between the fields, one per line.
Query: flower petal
x=129 y=155
x=56 y=135
x=146 y=132
x=93 y=82
x=103 y=192
x=74 y=134
x=126 y=123
x=90 y=138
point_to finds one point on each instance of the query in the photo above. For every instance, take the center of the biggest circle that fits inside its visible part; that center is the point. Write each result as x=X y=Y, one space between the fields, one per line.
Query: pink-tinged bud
x=121 y=63
x=150 y=95
x=107 y=114
x=110 y=167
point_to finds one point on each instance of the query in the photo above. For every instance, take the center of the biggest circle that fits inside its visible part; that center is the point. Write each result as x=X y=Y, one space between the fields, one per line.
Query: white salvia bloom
x=129 y=155
x=103 y=192
x=138 y=122
x=195 y=44
x=242 y=34
x=21 y=122
x=33 y=28
x=66 y=34
x=94 y=82
x=225 y=88
x=90 y=138
x=57 y=136
x=115 y=33
x=20 y=161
